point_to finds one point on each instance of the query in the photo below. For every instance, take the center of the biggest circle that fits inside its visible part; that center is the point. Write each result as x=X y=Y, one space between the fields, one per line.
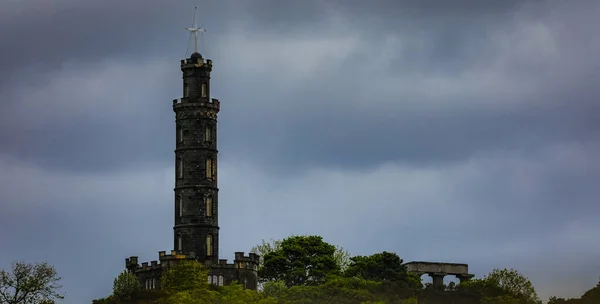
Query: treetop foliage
x=305 y=269
x=29 y=284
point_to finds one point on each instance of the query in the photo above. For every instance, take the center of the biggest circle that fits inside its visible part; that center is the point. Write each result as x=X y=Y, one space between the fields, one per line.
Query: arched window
x=208 y=203
x=179 y=134
x=209 y=245
x=208 y=134
x=214 y=277
x=209 y=168
x=220 y=280
x=180 y=200
x=203 y=92
x=209 y=279
x=180 y=168
x=179 y=242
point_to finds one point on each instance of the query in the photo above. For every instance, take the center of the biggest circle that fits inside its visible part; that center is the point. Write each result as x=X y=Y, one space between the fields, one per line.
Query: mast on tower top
x=194 y=30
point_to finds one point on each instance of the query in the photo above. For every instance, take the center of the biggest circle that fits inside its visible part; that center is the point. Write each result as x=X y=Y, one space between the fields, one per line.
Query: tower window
x=208 y=203
x=180 y=200
x=209 y=245
x=180 y=168
x=203 y=90
x=179 y=242
x=209 y=168
x=186 y=90
x=179 y=134
x=208 y=134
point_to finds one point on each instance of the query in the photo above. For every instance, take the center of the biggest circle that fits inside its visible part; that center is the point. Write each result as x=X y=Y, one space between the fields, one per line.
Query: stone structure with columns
x=437 y=271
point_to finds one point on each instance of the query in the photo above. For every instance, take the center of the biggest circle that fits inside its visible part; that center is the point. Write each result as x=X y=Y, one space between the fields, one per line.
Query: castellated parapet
x=243 y=269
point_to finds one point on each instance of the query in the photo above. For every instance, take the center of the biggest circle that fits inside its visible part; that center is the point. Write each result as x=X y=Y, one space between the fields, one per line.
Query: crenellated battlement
x=196 y=62
x=249 y=262
x=241 y=261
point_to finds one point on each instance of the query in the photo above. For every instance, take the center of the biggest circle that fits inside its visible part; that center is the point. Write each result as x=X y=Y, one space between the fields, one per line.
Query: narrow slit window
x=179 y=243
x=203 y=90
x=208 y=202
x=209 y=168
x=180 y=168
x=186 y=90
x=180 y=199
x=209 y=245
x=208 y=134
x=179 y=134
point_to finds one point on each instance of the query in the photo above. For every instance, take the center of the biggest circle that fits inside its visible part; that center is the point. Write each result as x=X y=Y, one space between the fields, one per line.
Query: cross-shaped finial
x=195 y=30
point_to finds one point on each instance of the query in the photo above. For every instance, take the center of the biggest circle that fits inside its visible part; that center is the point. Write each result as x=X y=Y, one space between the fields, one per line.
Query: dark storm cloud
x=452 y=38
x=467 y=129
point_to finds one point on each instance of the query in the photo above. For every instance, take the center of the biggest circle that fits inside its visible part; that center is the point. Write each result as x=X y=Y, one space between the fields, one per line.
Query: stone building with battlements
x=196 y=203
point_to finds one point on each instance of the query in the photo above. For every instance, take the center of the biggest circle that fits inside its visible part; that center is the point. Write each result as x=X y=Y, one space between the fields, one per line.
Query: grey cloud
x=433 y=129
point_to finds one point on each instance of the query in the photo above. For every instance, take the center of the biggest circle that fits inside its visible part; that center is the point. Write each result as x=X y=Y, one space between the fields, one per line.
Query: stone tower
x=196 y=230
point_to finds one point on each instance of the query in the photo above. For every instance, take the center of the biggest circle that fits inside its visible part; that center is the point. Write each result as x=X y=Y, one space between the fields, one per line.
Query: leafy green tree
x=186 y=283
x=274 y=288
x=384 y=266
x=300 y=260
x=555 y=300
x=591 y=296
x=515 y=283
x=334 y=290
x=126 y=285
x=236 y=294
x=29 y=284
x=341 y=255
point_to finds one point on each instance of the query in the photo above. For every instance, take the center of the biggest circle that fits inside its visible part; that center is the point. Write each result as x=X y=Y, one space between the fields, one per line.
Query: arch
x=209 y=245
x=208 y=205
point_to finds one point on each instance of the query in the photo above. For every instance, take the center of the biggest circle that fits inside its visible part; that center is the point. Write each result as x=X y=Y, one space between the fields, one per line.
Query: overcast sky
x=458 y=131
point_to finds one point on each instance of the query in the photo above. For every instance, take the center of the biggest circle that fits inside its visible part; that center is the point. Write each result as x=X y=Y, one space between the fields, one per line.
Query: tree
x=186 y=275
x=300 y=260
x=341 y=255
x=29 y=284
x=384 y=266
x=514 y=283
x=125 y=285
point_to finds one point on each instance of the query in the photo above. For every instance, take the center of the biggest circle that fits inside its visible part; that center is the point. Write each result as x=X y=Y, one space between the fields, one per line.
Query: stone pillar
x=438 y=279
x=464 y=277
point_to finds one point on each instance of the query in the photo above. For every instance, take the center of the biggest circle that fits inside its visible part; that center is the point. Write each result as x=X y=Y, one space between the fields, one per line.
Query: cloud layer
x=462 y=133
